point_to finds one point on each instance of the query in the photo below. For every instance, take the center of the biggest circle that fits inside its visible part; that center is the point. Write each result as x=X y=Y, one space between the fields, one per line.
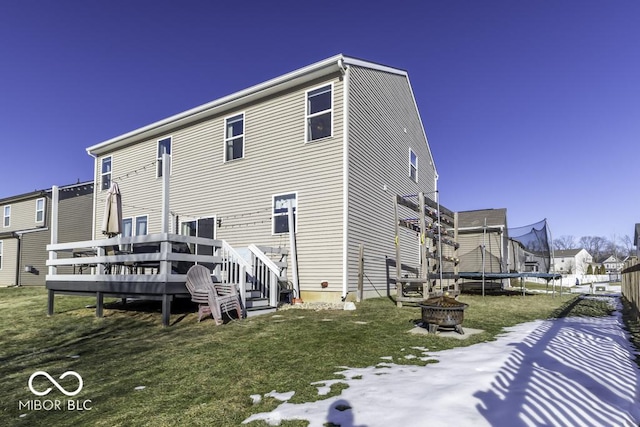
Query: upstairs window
x=105 y=173
x=164 y=146
x=281 y=212
x=6 y=222
x=234 y=138
x=141 y=225
x=319 y=113
x=40 y=210
x=413 y=166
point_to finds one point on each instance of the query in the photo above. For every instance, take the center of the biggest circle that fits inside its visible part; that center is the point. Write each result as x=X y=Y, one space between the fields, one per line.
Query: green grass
x=199 y=374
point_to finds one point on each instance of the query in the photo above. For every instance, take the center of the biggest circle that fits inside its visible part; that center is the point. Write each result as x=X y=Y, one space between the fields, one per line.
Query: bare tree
x=595 y=245
x=626 y=244
x=565 y=242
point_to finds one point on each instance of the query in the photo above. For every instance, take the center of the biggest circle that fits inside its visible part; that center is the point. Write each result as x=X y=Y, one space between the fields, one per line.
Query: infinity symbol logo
x=55 y=383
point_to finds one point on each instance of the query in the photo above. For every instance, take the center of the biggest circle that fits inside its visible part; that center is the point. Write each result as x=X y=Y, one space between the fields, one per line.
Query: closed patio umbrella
x=112 y=220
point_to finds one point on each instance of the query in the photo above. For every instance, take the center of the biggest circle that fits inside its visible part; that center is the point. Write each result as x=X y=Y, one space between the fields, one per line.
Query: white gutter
x=345 y=179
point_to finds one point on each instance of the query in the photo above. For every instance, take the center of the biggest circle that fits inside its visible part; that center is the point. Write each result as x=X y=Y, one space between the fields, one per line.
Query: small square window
x=234 y=138
x=319 y=113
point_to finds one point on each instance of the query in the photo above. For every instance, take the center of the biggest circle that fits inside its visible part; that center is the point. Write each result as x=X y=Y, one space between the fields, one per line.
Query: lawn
x=135 y=372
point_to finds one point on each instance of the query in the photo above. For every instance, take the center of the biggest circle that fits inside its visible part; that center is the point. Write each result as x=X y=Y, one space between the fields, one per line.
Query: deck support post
x=166 y=309
x=50 y=303
x=99 y=303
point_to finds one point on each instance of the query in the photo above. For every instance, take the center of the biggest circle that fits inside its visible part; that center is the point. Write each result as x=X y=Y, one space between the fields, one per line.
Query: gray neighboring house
x=25 y=230
x=338 y=139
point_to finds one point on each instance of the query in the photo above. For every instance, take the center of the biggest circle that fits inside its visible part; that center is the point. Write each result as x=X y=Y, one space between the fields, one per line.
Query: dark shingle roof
x=494 y=217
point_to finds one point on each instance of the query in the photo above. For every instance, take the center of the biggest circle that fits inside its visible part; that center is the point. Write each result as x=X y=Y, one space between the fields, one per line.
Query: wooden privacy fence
x=631 y=283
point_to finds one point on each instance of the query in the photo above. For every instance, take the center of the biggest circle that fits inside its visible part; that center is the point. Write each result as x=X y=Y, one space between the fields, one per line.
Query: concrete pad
x=446 y=333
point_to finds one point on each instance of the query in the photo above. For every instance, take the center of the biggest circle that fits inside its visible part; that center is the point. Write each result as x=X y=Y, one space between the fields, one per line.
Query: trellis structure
x=437 y=229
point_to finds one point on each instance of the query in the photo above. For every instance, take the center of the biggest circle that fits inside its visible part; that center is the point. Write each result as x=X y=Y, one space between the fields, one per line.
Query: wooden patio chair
x=212 y=298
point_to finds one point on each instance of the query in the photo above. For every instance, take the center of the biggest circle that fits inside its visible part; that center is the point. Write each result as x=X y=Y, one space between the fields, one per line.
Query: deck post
x=166 y=309
x=50 y=302
x=99 y=303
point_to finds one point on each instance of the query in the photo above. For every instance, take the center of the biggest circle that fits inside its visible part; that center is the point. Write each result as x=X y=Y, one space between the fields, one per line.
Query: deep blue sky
x=533 y=106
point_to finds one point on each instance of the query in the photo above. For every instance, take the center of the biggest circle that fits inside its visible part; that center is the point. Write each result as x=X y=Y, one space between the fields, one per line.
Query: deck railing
x=267 y=273
x=129 y=259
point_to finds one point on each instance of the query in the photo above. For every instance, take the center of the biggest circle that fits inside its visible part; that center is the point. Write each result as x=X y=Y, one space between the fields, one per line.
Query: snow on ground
x=565 y=372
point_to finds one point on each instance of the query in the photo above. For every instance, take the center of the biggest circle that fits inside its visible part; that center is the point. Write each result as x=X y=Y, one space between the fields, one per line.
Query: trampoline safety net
x=536 y=243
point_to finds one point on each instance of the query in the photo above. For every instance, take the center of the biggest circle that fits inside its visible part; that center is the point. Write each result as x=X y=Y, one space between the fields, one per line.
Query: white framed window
x=136 y=226
x=40 y=210
x=164 y=146
x=319 y=113
x=234 y=137
x=201 y=227
x=105 y=173
x=413 y=166
x=280 y=214
x=141 y=228
x=1 y=253
x=6 y=213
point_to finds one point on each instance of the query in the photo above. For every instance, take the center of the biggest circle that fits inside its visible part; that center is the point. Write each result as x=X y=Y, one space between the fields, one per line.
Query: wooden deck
x=104 y=270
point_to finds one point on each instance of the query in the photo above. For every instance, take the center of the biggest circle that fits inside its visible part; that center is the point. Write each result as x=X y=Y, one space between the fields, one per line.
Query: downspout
x=345 y=178
x=19 y=257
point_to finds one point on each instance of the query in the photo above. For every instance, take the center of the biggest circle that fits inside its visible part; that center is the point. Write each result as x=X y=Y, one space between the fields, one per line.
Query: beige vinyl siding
x=383 y=126
x=23 y=215
x=239 y=193
x=34 y=253
x=9 y=256
x=470 y=252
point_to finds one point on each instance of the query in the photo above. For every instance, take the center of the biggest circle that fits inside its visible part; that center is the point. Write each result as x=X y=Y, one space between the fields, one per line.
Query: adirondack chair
x=212 y=298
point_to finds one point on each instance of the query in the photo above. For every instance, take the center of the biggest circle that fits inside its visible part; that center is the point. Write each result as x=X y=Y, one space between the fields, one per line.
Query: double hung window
x=234 y=138
x=413 y=166
x=6 y=221
x=40 y=210
x=319 y=113
x=164 y=146
x=280 y=214
x=105 y=173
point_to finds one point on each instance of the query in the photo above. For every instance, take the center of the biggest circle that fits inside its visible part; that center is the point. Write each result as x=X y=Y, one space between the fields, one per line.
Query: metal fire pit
x=442 y=311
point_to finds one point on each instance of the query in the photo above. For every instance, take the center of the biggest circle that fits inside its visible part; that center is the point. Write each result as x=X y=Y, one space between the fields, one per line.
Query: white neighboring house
x=571 y=261
x=613 y=265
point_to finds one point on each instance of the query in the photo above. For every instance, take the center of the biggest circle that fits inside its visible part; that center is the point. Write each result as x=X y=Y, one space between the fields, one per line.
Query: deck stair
x=269 y=283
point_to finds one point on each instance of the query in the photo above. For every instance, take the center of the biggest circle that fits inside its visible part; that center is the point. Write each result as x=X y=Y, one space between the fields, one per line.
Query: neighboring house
x=572 y=261
x=613 y=265
x=636 y=239
x=26 y=230
x=336 y=139
x=483 y=239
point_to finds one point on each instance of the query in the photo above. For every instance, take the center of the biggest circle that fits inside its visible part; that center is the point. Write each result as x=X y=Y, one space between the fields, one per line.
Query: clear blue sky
x=533 y=106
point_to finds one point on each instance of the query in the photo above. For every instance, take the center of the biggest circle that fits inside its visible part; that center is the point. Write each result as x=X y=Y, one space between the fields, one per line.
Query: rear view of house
x=335 y=140
x=26 y=230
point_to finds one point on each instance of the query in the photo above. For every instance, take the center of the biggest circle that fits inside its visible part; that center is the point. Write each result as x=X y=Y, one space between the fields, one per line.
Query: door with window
x=202 y=227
